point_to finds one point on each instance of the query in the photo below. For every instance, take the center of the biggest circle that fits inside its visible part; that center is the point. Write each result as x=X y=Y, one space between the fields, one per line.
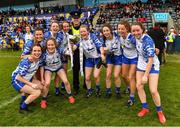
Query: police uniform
x=75 y=30
x=146 y=48
x=129 y=49
x=26 y=69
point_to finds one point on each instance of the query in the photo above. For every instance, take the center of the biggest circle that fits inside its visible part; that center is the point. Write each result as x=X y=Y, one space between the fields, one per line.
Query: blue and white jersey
x=91 y=46
x=114 y=45
x=28 y=37
x=26 y=69
x=129 y=46
x=64 y=40
x=28 y=46
x=146 y=48
x=52 y=62
x=59 y=37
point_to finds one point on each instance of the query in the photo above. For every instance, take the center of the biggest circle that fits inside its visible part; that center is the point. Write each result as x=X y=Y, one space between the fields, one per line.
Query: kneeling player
x=22 y=78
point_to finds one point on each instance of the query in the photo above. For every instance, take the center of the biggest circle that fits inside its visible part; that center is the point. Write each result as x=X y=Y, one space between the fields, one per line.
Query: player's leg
x=132 y=83
x=88 y=71
x=97 y=80
x=141 y=94
x=108 y=80
x=153 y=86
x=47 y=77
x=61 y=73
x=117 y=80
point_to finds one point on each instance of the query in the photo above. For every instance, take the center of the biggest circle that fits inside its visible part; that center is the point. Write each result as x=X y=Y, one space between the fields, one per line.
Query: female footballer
x=129 y=58
x=113 y=59
x=51 y=62
x=92 y=48
x=23 y=81
x=147 y=70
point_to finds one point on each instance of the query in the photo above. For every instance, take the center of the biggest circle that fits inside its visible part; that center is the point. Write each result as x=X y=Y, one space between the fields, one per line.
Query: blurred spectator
x=158 y=36
x=170 y=40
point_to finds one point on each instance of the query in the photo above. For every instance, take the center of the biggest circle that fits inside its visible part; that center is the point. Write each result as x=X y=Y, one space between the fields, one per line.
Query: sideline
x=10 y=101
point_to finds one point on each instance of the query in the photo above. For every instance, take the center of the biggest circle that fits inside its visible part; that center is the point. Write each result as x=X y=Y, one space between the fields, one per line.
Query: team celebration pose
x=113 y=59
x=126 y=51
x=147 y=70
x=23 y=81
x=51 y=62
x=129 y=59
x=54 y=33
x=92 y=48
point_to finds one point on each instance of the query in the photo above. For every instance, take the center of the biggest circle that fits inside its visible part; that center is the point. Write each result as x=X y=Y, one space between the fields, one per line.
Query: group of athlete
x=129 y=53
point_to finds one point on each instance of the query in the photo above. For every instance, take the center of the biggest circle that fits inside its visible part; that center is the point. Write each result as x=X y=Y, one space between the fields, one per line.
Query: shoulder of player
x=29 y=43
x=147 y=39
x=25 y=62
x=47 y=34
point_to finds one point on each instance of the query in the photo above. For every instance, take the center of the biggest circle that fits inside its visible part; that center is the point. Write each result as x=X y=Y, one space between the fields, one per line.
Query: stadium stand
x=13 y=21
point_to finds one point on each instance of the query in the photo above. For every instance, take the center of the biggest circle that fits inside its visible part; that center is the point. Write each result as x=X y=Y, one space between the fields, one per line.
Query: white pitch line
x=8 y=56
x=9 y=102
x=4 y=104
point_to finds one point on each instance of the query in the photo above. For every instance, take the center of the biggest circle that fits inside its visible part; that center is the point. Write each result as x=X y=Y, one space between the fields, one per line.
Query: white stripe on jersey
x=89 y=49
x=53 y=61
x=142 y=58
x=114 y=46
x=129 y=49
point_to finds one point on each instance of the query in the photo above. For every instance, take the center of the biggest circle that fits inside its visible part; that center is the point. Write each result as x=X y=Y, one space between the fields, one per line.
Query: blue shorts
x=91 y=62
x=64 y=59
x=18 y=85
x=126 y=60
x=115 y=60
x=54 y=70
x=152 y=71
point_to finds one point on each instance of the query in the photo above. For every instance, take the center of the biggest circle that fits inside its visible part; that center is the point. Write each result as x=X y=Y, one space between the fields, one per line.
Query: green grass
x=92 y=111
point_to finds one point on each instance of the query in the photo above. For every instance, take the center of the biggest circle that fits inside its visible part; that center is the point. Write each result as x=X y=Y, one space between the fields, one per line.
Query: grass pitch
x=93 y=111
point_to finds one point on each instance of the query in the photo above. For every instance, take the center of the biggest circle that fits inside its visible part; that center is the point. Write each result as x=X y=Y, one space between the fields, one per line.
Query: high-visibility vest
x=170 y=38
x=75 y=32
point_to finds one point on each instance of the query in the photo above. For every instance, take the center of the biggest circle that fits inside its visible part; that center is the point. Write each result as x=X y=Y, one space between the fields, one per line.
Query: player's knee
x=139 y=86
x=131 y=77
x=47 y=84
x=116 y=76
x=88 y=78
x=96 y=76
x=154 y=92
x=66 y=82
x=125 y=77
x=108 y=76
x=37 y=93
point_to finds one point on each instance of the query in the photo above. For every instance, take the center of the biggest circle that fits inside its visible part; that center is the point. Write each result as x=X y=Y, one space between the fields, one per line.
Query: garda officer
x=75 y=31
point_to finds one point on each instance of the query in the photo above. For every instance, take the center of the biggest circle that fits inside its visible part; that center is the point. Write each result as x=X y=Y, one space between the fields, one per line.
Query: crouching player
x=51 y=62
x=147 y=69
x=22 y=78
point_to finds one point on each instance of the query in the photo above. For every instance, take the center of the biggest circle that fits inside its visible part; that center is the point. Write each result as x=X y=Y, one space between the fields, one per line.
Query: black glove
x=112 y=54
x=100 y=62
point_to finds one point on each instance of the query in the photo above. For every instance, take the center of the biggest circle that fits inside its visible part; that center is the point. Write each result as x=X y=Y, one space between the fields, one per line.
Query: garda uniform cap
x=76 y=14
